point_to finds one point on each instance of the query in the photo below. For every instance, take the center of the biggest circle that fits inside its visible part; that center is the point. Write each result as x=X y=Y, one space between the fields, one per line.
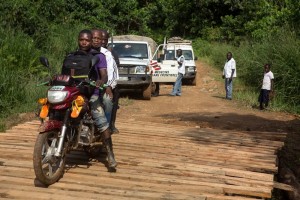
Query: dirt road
x=204 y=106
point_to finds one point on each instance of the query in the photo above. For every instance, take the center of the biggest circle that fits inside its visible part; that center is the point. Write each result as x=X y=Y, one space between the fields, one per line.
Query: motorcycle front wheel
x=47 y=167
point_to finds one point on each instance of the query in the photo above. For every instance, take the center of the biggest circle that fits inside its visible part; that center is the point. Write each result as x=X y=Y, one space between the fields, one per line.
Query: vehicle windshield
x=170 y=54
x=131 y=50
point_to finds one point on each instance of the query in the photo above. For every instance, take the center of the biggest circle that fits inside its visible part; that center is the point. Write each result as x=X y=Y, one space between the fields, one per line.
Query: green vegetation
x=282 y=50
x=256 y=33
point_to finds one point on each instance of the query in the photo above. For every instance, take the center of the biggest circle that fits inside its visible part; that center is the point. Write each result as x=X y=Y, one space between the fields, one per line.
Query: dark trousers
x=263 y=98
x=115 y=106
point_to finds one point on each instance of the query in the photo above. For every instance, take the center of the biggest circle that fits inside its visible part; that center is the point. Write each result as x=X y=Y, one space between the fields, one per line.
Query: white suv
x=176 y=43
x=135 y=54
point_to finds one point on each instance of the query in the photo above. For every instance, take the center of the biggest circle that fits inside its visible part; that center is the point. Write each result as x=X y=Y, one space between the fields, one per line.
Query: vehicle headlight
x=140 y=69
x=57 y=96
x=191 y=69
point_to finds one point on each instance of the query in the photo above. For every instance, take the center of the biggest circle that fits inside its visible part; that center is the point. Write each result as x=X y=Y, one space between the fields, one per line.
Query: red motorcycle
x=67 y=124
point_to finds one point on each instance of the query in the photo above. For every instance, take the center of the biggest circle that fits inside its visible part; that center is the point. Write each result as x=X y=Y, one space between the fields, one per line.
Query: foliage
x=264 y=31
x=18 y=67
x=281 y=50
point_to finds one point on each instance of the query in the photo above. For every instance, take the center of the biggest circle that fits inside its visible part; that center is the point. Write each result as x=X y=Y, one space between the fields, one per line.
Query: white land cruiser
x=135 y=54
x=167 y=66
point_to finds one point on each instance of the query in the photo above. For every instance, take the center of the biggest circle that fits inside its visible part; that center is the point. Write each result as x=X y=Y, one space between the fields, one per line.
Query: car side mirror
x=196 y=58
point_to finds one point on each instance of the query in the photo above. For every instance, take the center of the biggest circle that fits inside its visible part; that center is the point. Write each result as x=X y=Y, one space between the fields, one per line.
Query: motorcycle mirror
x=95 y=60
x=44 y=61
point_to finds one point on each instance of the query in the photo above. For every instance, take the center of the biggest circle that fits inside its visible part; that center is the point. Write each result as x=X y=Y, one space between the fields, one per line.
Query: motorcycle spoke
x=53 y=143
x=44 y=161
x=48 y=151
x=50 y=170
x=44 y=153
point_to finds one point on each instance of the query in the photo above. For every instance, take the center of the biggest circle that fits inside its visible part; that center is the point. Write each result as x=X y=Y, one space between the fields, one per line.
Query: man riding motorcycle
x=98 y=114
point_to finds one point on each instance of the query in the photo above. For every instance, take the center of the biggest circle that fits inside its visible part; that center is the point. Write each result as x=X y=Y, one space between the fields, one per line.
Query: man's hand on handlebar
x=99 y=83
x=109 y=92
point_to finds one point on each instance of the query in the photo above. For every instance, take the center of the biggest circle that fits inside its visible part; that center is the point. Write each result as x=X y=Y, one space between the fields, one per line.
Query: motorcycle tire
x=50 y=169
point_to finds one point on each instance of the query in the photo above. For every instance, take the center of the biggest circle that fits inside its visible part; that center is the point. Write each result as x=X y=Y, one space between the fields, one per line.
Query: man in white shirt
x=181 y=71
x=110 y=98
x=229 y=72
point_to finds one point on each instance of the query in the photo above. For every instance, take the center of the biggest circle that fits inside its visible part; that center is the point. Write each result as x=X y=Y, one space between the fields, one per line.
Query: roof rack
x=178 y=40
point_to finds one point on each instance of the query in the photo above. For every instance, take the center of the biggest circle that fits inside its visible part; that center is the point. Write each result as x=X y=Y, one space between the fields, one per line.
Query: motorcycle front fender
x=50 y=125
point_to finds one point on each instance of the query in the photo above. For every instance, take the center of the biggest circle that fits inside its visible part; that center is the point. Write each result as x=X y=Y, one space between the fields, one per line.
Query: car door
x=164 y=70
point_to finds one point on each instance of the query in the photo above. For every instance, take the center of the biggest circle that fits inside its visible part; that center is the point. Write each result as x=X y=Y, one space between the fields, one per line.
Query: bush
x=281 y=50
x=19 y=65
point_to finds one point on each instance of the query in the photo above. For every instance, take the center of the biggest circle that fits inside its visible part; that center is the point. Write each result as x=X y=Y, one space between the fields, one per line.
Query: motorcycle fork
x=62 y=133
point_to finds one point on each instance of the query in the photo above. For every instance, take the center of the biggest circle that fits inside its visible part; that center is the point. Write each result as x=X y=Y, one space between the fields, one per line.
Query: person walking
x=229 y=72
x=181 y=71
x=267 y=88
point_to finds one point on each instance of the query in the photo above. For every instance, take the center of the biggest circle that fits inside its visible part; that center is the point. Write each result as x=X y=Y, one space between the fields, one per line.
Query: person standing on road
x=229 y=72
x=181 y=71
x=267 y=88
x=111 y=96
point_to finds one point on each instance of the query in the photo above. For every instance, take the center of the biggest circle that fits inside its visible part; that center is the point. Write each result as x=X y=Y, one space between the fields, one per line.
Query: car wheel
x=147 y=92
x=194 y=81
x=155 y=90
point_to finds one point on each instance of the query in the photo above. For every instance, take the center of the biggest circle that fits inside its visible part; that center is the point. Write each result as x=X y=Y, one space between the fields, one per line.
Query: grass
x=250 y=57
x=15 y=119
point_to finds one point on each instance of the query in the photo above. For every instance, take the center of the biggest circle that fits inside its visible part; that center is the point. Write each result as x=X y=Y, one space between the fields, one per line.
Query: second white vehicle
x=166 y=68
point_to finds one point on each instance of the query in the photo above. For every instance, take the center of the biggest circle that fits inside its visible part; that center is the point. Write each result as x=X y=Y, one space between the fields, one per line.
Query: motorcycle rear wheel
x=48 y=168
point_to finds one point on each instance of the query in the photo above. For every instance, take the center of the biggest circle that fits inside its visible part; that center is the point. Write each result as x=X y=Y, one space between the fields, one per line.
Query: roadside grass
x=248 y=96
x=283 y=55
x=2 y=126
x=16 y=119
x=23 y=109
x=20 y=69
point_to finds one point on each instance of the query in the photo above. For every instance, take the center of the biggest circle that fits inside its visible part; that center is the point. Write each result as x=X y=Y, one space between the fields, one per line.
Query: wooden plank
x=156 y=161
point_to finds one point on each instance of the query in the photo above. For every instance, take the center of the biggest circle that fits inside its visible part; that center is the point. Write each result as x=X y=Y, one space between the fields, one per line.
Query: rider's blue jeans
x=177 y=85
x=98 y=113
x=108 y=106
x=228 y=88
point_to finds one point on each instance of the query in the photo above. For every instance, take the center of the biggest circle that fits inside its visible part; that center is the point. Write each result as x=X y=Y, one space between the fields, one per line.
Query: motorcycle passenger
x=85 y=44
x=111 y=96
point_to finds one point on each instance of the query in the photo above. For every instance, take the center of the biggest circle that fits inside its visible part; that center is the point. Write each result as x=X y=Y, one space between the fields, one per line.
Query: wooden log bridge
x=156 y=161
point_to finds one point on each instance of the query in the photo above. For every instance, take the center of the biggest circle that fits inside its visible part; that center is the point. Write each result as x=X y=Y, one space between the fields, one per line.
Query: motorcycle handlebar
x=81 y=82
x=93 y=83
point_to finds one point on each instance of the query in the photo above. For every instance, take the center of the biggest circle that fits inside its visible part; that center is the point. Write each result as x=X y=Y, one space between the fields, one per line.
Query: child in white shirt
x=267 y=87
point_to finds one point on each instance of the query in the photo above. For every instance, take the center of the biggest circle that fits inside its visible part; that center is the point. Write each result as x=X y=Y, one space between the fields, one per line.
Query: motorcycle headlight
x=140 y=69
x=57 y=96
